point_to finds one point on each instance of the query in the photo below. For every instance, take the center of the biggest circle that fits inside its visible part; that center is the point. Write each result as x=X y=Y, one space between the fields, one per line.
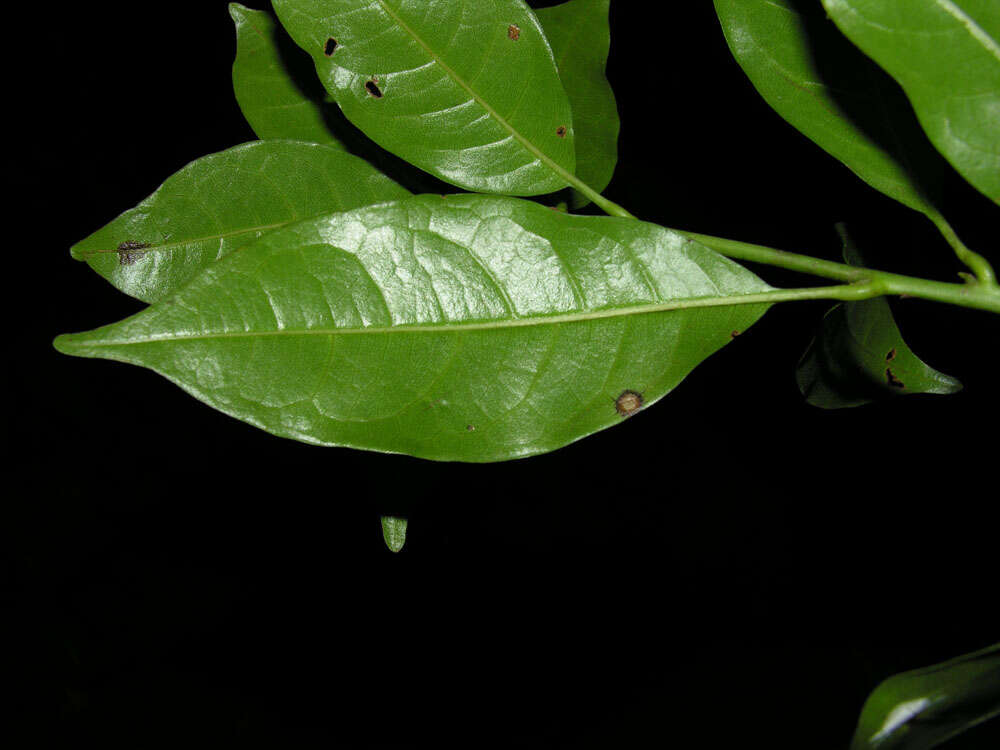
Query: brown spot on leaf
x=371 y=86
x=130 y=251
x=470 y=427
x=330 y=47
x=734 y=334
x=891 y=355
x=628 y=403
x=892 y=380
x=514 y=32
x=561 y=131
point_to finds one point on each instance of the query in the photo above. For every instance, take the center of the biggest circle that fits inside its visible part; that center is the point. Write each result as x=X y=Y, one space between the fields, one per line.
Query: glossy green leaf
x=394 y=532
x=221 y=202
x=464 y=327
x=580 y=36
x=922 y=709
x=275 y=103
x=814 y=79
x=859 y=356
x=946 y=56
x=467 y=91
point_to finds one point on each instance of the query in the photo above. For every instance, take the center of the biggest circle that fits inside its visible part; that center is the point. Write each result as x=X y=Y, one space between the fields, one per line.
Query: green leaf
x=946 y=56
x=394 y=532
x=580 y=36
x=922 y=709
x=275 y=103
x=220 y=203
x=859 y=356
x=816 y=80
x=467 y=91
x=466 y=327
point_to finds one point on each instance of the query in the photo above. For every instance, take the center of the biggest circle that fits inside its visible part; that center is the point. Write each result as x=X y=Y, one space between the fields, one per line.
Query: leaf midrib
x=500 y=324
x=84 y=254
x=516 y=134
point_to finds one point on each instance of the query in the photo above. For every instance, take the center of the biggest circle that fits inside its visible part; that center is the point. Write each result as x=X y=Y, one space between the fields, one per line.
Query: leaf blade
x=469 y=328
x=846 y=107
x=859 y=356
x=946 y=56
x=271 y=99
x=580 y=35
x=219 y=203
x=423 y=81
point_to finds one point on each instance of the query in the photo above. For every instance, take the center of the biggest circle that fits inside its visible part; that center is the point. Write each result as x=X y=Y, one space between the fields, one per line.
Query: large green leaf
x=859 y=356
x=838 y=98
x=221 y=202
x=275 y=103
x=580 y=36
x=467 y=91
x=946 y=56
x=465 y=327
x=922 y=709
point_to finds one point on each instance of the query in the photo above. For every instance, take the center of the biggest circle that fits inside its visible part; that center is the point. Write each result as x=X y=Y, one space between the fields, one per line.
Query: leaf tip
x=65 y=343
x=394 y=532
x=238 y=13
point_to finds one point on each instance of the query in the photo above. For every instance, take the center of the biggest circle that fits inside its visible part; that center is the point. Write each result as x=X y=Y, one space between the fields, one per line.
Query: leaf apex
x=238 y=12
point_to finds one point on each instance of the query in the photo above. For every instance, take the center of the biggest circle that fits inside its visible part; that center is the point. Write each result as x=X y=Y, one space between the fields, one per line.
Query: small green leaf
x=275 y=103
x=466 y=328
x=922 y=709
x=859 y=356
x=580 y=36
x=394 y=532
x=220 y=203
x=467 y=91
x=815 y=80
x=946 y=56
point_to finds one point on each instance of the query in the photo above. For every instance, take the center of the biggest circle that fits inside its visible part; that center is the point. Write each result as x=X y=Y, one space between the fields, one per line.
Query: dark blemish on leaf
x=892 y=380
x=561 y=131
x=891 y=355
x=130 y=251
x=628 y=403
x=470 y=427
x=372 y=87
x=514 y=32
x=331 y=46
x=734 y=334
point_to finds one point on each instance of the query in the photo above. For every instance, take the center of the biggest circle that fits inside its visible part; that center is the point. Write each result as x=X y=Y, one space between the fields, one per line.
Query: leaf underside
x=946 y=56
x=468 y=92
x=222 y=202
x=463 y=328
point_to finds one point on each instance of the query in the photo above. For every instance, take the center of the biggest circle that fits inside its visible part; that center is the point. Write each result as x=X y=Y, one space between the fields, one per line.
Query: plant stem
x=976 y=262
x=976 y=295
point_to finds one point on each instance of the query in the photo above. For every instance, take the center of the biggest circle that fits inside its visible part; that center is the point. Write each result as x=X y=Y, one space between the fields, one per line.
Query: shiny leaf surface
x=467 y=91
x=220 y=203
x=464 y=328
x=859 y=356
x=275 y=104
x=580 y=36
x=924 y=708
x=946 y=56
x=811 y=76
x=394 y=532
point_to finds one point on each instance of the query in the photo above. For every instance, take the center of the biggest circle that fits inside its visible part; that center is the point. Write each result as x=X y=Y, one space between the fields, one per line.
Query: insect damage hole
x=130 y=251
x=514 y=32
x=371 y=85
x=330 y=47
x=561 y=131
x=891 y=355
x=892 y=380
x=628 y=403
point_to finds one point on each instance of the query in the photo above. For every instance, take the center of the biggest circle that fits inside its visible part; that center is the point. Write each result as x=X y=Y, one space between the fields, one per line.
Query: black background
x=728 y=567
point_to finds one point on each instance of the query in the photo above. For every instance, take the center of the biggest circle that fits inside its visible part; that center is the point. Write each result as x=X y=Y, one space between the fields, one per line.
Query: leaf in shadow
x=859 y=356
